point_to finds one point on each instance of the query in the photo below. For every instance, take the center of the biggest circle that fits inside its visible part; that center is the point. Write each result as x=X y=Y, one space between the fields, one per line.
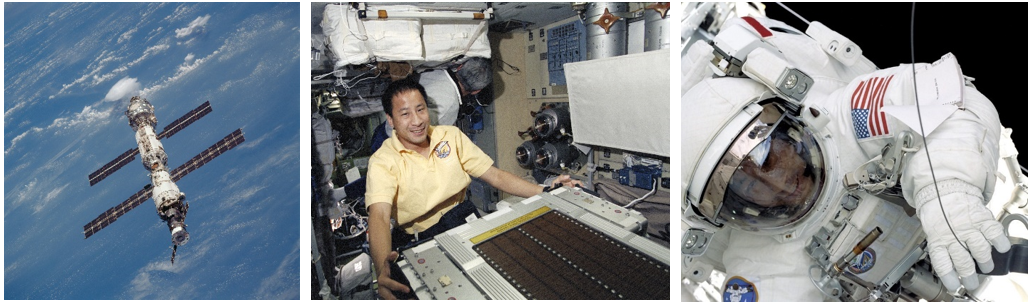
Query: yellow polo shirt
x=421 y=189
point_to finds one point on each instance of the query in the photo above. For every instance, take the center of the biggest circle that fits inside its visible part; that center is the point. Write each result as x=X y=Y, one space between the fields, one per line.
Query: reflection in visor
x=777 y=183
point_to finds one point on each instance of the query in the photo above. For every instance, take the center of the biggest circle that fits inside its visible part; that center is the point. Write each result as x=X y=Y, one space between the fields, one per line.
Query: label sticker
x=863 y=262
x=738 y=289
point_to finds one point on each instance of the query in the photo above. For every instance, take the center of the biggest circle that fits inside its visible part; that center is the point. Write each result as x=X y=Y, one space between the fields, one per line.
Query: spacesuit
x=776 y=122
x=443 y=96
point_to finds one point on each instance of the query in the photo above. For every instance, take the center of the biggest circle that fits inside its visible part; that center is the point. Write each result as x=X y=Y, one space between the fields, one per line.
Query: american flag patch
x=866 y=108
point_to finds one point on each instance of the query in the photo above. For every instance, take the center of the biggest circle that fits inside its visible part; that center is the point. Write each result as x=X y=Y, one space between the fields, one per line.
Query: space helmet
x=750 y=163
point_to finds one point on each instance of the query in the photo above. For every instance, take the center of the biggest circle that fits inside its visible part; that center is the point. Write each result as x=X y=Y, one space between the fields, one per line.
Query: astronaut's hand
x=386 y=285
x=565 y=180
x=974 y=226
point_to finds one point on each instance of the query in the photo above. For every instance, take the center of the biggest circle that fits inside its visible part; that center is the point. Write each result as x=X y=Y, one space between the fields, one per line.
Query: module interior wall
x=512 y=107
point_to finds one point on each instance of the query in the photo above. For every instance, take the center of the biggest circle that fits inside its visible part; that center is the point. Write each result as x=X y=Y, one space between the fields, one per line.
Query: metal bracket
x=695 y=241
x=888 y=167
x=794 y=84
x=817 y=248
x=726 y=64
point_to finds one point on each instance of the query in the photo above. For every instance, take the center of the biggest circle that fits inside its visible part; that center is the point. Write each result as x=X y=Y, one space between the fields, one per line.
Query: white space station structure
x=169 y=201
x=807 y=176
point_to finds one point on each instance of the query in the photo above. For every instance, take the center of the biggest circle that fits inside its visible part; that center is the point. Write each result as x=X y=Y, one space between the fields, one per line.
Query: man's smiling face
x=410 y=119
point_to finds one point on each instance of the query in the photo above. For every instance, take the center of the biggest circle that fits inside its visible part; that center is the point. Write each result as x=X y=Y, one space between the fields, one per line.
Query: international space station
x=169 y=202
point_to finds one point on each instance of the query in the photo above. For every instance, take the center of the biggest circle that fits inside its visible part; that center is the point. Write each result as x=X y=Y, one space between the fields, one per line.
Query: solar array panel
x=227 y=143
x=185 y=120
x=168 y=131
x=113 y=166
x=114 y=213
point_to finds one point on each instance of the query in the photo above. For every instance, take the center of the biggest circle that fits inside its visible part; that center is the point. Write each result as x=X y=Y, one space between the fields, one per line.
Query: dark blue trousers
x=453 y=218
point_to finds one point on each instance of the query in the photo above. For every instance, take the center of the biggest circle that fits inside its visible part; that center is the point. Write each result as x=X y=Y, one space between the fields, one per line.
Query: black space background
x=988 y=39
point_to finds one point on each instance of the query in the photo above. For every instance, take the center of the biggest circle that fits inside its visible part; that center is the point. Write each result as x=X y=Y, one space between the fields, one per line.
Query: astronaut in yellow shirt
x=419 y=178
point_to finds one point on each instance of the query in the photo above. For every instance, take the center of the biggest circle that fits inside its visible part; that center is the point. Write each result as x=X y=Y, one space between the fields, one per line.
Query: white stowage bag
x=444 y=40
x=358 y=41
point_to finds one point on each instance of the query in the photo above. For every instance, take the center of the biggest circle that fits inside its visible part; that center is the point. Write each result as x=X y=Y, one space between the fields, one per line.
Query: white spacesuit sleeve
x=695 y=64
x=442 y=97
x=963 y=147
x=963 y=151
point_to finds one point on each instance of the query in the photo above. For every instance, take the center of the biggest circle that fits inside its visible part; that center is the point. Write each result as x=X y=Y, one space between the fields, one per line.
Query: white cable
x=359 y=223
x=928 y=157
x=810 y=275
x=793 y=12
x=319 y=77
x=656 y=186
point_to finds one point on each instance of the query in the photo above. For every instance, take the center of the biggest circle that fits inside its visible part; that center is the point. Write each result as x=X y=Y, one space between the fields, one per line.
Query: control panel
x=564 y=244
x=566 y=44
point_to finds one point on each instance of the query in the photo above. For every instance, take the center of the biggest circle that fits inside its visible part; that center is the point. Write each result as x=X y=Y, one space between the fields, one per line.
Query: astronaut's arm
x=380 y=248
x=512 y=184
x=963 y=151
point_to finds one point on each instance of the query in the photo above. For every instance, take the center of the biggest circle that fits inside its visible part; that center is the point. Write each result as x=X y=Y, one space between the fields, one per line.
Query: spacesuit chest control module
x=811 y=175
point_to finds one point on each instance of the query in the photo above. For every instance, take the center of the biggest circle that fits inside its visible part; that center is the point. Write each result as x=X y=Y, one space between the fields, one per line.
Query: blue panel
x=639 y=176
x=566 y=44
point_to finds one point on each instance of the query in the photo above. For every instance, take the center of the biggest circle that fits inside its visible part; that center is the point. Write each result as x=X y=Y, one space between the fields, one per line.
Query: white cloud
x=281 y=159
x=189 y=58
x=28 y=190
x=20 y=137
x=255 y=142
x=161 y=286
x=88 y=116
x=7 y=114
x=262 y=70
x=19 y=168
x=146 y=53
x=9 y=269
x=122 y=89
x=38 y=194
x=127 y=35
x=278 y=285
x=93 y=76
x=182 y=70
x=241 y=41
x=50 y=196
x=181 y=11
x=196 y=26
x=143 y=287
x=94 y=68
x=186 y=68
x=154 y=33
x=54 y=193
x=243 y=195
x=156 y=49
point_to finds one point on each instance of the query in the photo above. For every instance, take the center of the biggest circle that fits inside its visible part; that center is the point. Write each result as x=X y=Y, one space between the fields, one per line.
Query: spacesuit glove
x=972 y=223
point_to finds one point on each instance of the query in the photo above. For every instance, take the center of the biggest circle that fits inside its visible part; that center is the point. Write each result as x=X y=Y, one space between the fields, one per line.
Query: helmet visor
x=778 y=182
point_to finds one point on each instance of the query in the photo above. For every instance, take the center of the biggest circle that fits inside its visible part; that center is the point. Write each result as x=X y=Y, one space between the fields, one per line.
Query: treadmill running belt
x=553 y=257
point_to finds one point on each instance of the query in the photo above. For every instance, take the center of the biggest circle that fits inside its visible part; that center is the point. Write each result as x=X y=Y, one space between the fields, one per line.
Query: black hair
x=397 y=87
x=475 y=73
